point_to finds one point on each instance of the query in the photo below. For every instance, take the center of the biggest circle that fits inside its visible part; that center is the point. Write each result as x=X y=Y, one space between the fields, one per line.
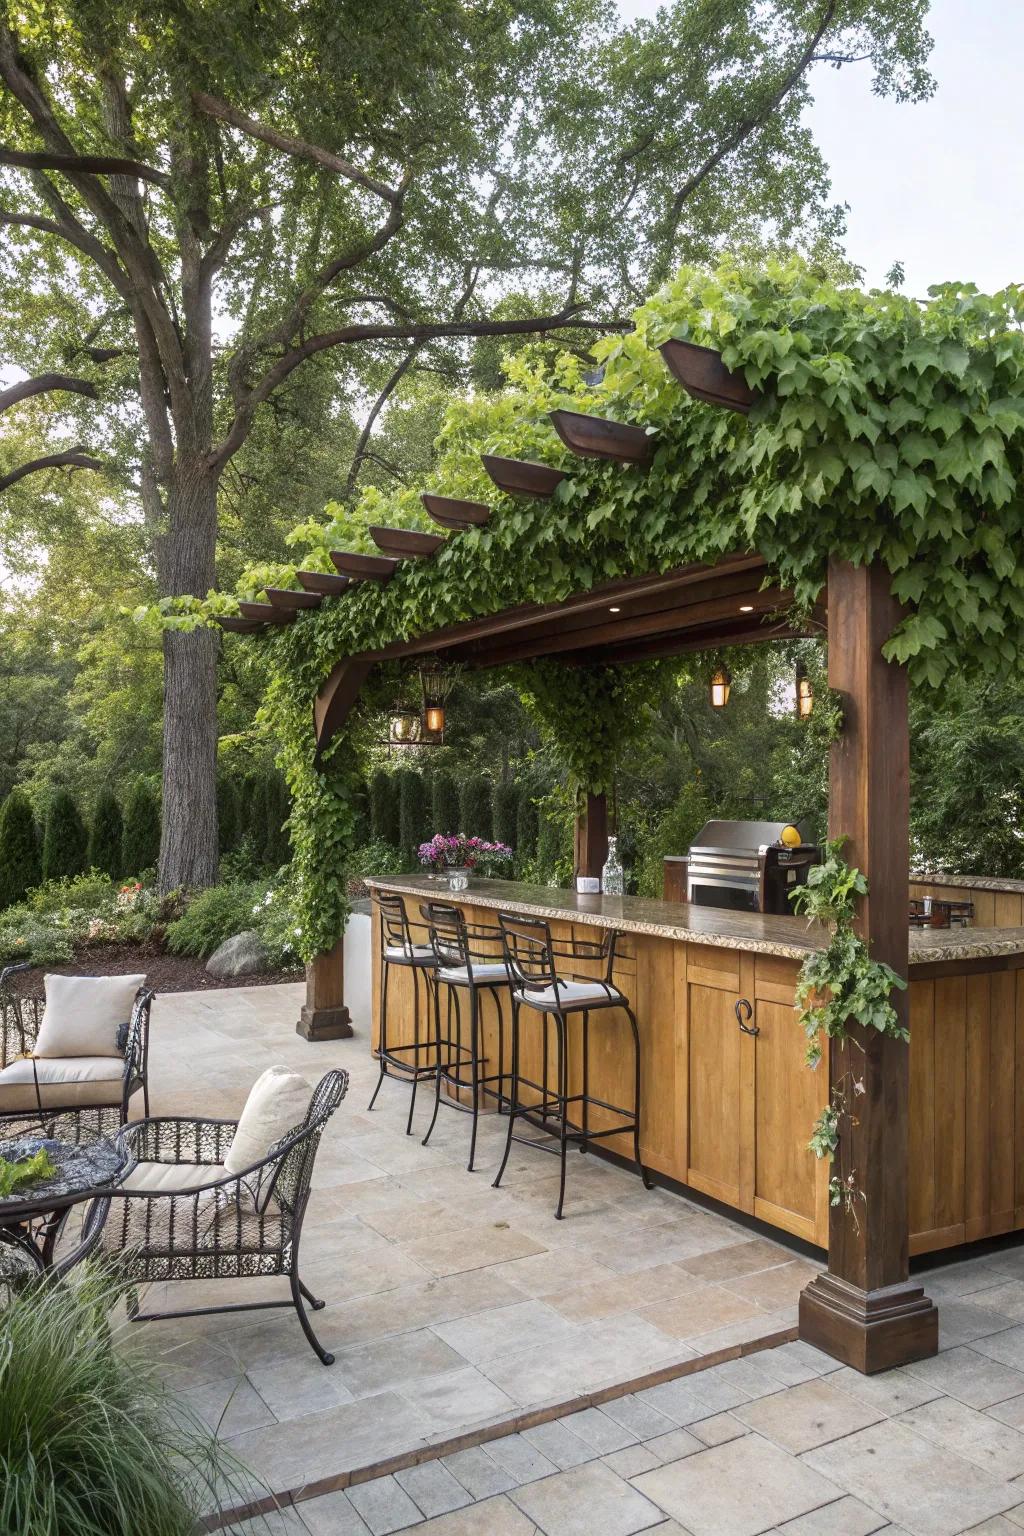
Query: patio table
x=32 y=1215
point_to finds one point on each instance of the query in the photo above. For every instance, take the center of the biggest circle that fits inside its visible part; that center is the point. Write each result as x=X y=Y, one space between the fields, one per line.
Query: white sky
x=936 y=186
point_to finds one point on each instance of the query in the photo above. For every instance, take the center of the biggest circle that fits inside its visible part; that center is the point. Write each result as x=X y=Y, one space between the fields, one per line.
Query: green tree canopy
x=202 y=201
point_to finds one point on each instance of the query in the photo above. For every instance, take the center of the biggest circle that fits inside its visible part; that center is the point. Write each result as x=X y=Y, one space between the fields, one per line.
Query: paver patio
x=454 y=1307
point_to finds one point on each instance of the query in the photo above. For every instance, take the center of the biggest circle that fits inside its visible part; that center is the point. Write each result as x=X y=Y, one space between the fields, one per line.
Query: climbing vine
x=840 y=986
x=886 y=430
x=592 y=713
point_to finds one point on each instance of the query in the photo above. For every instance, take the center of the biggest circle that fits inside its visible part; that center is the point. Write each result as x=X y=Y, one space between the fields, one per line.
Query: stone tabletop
x=790 y=938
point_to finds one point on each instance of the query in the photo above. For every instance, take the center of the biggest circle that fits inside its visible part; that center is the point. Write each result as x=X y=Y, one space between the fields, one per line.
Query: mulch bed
x=164 y=972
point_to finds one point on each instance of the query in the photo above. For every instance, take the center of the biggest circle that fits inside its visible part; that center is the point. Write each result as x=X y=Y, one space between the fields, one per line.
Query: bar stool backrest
x=529 y=953
x=449 y=936
x=395 y=923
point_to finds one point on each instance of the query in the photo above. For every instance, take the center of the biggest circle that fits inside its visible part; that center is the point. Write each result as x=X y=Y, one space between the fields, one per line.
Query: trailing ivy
x=840 y=986
x=886 y=430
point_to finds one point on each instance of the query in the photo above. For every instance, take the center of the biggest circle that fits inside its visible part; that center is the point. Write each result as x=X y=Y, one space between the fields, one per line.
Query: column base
x=869 y=1330
x=324 y=1024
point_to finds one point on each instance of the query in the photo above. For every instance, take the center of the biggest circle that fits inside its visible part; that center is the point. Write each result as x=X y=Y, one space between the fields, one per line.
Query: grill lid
x=739 y=837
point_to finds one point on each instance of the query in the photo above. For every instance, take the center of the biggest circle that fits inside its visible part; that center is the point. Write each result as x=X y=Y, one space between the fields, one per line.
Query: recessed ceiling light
x=746 y=608
x=614 y=610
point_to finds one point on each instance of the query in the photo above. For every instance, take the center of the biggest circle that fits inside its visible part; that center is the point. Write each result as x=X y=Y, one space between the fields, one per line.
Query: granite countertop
x=790 y=938
x=973 y=882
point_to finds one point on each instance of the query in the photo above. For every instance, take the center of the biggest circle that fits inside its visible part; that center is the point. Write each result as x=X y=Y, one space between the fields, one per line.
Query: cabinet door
x=721 y=1066
x=790 y=1184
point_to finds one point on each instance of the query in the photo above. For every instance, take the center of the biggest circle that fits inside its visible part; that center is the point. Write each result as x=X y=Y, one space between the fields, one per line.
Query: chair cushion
x=163 y=1178
x=486 y=974
x=571 y=994
x=84 y=1013
x=64 y=1083
x=419 y=954
x=277 y=1103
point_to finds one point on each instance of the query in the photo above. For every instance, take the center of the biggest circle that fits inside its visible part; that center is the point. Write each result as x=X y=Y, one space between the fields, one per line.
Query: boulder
x=243 y=955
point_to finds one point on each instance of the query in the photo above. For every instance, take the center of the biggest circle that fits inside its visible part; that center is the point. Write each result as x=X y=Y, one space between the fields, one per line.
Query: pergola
x=865 y=1309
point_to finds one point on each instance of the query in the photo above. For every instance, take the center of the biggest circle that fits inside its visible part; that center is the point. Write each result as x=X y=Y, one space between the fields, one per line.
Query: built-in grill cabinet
x=743 y=865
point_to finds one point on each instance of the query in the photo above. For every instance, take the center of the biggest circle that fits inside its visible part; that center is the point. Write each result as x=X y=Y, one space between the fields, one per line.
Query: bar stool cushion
x=571 y=994
x=419 y=954
x=487 y=974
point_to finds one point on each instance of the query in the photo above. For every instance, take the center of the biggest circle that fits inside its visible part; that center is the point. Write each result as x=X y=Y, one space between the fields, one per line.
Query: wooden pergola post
x=865 y=1310
x=324 y=1015
x=590 y=837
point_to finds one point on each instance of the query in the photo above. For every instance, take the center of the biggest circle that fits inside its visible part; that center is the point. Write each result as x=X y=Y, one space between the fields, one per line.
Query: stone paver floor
x=452 y=1306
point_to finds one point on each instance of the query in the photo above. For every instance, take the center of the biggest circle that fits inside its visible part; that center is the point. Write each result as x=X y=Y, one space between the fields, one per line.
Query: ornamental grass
x=91 y=1441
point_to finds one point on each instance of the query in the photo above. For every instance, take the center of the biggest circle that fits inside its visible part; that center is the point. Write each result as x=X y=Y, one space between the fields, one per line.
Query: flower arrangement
x=457 y=851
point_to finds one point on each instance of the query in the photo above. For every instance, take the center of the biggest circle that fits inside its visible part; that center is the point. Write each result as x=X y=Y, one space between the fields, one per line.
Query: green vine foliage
x=840 y=986
x=591 y=713
x=886 y=430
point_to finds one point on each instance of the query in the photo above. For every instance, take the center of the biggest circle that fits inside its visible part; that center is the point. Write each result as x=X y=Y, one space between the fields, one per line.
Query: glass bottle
x=613 y=877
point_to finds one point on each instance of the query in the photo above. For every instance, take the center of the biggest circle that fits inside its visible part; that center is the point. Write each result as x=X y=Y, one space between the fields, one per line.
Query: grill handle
x=743 y=1011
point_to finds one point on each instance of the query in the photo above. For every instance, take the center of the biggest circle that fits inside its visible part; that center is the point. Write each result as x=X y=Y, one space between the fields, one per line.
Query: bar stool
x=464 y=967
x=530 y=955
x=398 y=949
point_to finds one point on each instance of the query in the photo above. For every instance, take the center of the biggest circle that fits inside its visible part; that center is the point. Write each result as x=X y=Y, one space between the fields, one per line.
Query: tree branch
x=72 y=458
x=290 y=145
x=535 y=325
x=42 y=384
x=362 y=445
x=749 y=125
x=82 y=165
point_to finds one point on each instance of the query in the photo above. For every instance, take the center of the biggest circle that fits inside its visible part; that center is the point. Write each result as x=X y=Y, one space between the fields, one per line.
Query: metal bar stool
x=464 y=967
x=397 y=948
x=530 y=955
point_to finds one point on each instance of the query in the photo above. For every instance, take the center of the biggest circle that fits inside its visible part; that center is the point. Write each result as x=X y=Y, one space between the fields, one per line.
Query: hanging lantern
x=804 y=692
x=403 y=727
x=436 y=683
x=721 y=683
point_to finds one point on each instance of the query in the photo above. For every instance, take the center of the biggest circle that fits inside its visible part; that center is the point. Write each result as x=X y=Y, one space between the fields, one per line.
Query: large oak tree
x=199 y=199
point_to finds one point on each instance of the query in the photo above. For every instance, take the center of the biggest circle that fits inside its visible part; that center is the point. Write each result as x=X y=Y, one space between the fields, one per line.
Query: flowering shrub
x=86 y=909
x=457 y=851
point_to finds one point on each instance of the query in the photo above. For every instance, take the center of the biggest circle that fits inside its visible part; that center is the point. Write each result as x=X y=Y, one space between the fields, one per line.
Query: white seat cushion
x=161 y=1178
x=64 y=1083
x=277 y=1103
x=84 y=1014
x=485 y=974
x=418 y=954
x=571 y=994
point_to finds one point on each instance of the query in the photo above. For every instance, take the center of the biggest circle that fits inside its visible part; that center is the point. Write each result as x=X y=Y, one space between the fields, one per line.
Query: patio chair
x=72 y=1060
x=188 y=1211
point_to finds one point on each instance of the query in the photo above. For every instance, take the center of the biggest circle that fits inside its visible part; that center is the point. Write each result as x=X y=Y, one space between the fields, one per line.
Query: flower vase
x=458 y=879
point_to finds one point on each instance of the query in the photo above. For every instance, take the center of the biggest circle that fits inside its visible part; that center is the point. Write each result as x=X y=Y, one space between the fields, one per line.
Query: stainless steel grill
x=743 y=865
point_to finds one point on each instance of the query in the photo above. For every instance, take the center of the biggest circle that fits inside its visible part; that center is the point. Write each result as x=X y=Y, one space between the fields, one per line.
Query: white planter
x=358 y=969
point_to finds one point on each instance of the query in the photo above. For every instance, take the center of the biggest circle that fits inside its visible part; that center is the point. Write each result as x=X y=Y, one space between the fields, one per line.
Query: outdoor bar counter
x=728 y=1113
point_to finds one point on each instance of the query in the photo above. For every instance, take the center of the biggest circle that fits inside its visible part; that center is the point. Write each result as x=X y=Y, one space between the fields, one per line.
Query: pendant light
x=804 y=692
x=721 y=683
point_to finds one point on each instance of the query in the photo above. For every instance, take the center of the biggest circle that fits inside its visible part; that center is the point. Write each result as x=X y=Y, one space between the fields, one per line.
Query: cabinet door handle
x=743 y=1011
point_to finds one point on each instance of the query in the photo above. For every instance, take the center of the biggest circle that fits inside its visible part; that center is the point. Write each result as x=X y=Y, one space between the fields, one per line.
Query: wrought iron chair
x=399 y=949
x=69 y=1108
x=187 y=1219
x=532 y=957
x=466 y=962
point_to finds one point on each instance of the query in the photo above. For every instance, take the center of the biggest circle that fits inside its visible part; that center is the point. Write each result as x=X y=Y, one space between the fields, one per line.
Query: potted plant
x=455 y=854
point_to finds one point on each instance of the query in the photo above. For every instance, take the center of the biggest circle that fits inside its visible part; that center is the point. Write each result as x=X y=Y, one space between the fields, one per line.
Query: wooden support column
x=865 y=1310
x=324 y=1015
x=590 y=839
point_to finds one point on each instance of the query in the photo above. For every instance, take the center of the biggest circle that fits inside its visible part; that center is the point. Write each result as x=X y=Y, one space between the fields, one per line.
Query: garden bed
x=164 y=972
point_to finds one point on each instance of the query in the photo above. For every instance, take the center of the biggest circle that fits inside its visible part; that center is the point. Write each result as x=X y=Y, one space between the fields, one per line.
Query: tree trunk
x=186 y=565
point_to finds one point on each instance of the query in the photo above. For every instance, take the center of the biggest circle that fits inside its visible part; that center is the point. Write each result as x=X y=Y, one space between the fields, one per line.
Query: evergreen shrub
x=65 y=843
x=19 y=848
x=106 y=834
